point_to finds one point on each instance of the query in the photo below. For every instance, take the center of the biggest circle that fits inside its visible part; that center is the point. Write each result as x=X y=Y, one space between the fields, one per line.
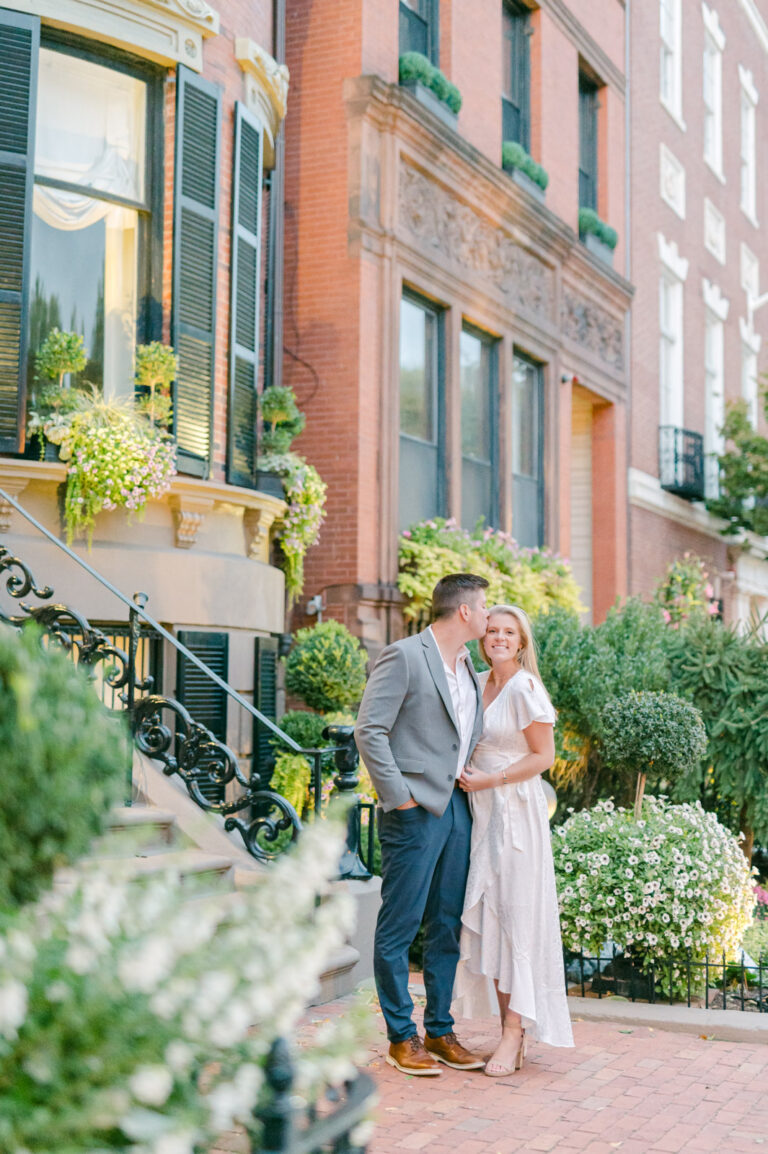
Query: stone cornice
x=168 y=31
x=266 y=90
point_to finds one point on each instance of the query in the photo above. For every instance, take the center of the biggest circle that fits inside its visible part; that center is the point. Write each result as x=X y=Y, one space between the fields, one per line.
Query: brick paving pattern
x=633 y=1089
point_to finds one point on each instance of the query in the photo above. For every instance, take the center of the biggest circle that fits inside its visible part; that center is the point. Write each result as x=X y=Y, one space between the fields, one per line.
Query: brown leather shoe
x=449 y=1049
x=411 y=1057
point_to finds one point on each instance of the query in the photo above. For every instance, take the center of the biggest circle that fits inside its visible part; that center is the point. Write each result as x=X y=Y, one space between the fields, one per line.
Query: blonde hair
x=526 y=654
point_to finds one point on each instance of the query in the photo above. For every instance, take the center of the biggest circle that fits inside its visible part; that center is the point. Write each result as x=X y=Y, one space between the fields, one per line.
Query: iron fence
x=723 y=984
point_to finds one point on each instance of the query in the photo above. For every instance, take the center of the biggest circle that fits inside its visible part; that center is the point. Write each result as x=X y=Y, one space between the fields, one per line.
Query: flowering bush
x=671 y=883
x=132 y=1022
x=535 y=579
x=300 y=528
x=685 y=589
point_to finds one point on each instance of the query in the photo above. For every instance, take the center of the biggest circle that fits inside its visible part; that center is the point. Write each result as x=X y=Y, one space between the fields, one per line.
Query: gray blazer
x=406 y=730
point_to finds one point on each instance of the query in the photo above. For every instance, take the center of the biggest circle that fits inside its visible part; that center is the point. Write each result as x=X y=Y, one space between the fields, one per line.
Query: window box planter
x=269 y=483
x=428 y=98
x=530 y=186
x=523 y=169
x=32 y=450
x=601 y=250
x=596 y=235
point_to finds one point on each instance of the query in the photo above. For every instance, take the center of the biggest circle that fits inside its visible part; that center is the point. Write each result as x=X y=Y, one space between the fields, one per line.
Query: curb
x=719 y=1025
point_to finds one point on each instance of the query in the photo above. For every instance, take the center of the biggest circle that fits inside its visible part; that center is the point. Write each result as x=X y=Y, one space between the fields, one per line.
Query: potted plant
x=282 y=422
x=157 y=367
x=60 y=356
x=598 y=236
x=524 y=169
x=430 y=86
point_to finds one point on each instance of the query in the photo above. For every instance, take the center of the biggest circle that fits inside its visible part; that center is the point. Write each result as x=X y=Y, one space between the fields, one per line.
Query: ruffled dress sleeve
x=527 y=701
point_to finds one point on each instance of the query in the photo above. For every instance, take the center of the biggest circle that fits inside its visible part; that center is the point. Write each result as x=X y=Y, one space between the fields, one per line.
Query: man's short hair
x=453 y=591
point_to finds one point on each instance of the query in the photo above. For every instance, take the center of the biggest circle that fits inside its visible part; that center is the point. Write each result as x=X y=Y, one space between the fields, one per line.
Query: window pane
x=525 y=419
x=91 y=123
x=418 y=375
x=84 y=279
x=477 y=431
x=475 y=398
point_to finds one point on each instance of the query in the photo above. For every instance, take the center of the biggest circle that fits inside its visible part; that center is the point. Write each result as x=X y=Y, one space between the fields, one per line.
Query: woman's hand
x=471 y=779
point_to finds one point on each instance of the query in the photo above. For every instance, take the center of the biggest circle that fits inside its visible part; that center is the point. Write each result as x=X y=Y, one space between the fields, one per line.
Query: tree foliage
x=743 y=468
x=725 y=674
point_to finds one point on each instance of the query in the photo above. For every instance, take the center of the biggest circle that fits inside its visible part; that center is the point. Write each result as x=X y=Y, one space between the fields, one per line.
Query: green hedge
x=590 y=222
x=415 y=66
x=513 y=155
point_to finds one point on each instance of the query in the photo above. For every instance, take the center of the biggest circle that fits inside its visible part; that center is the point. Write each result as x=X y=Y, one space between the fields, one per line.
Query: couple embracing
x=456 y=761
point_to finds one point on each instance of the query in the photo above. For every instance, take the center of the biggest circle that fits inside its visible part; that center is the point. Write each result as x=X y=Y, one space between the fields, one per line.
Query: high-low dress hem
x=510 y=924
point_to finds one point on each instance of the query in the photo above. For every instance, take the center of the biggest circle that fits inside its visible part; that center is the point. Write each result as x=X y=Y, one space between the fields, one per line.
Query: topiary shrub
x=590 y=222
x=64 y=763
x=652 y=733
x=513 y=155
x=415 y=66
x=326 y=667
x=673 y=882
x=305 y=728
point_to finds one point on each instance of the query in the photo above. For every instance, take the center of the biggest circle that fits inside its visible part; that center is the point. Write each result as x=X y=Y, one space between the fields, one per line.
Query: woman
x=511 y=951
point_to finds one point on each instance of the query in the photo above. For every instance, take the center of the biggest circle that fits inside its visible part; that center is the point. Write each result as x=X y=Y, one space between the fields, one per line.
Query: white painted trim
x=714 y=231
x=167 y=31
x=748 y=259
x=670 y=257
x=266 y=90
x=714 y=299
x=749 y=338
x=747 y=82
x=759 y=27
x=645 y=492
x=675 y=115
x=671 y=181
x=712 y=25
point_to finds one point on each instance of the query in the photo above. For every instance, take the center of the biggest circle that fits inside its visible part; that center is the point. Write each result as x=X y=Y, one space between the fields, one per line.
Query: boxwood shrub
x=415 y=66
x=590 y=222
x=513 y=155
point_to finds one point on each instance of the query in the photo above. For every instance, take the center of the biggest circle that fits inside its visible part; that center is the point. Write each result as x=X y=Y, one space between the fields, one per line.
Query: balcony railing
x=681 y=462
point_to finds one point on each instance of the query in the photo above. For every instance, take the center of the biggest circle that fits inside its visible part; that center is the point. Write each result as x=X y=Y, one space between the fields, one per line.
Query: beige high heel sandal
x=505 y=1071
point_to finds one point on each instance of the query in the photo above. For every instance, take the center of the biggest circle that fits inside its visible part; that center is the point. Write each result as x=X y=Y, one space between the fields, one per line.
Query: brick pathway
x=633 y=1089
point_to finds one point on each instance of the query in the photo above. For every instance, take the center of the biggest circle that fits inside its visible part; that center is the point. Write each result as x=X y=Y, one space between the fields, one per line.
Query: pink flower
x=667 y=616
x=713 y=608
x=708 y=591
x=406 y=533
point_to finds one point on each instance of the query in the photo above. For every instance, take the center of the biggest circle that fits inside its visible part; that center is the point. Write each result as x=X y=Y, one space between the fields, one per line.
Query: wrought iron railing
x=340 y=1125
x=681 y=462
x=161 y=727
x=723 y=984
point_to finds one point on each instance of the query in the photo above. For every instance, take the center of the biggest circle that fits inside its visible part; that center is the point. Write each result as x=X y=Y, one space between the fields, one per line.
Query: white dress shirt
x=463 y=699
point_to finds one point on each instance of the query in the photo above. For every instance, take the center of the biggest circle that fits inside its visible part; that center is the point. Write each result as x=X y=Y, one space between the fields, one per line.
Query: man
x=420 y=719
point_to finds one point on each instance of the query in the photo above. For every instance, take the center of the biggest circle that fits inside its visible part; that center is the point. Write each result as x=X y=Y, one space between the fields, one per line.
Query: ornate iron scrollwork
x=183 y=746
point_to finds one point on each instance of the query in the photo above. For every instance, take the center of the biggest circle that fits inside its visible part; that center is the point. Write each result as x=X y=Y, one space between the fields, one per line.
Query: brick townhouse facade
x=139 y=148
x=458 y=349
x=699 y=250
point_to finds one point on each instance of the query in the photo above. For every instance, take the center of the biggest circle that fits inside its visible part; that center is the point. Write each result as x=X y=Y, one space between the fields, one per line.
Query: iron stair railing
x=163 y=729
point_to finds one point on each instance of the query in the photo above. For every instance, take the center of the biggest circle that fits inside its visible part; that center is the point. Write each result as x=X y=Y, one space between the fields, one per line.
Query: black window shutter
x=265 y=700
x=19 y=49
x=202 y=698
x=195 y=258
x=244 y=310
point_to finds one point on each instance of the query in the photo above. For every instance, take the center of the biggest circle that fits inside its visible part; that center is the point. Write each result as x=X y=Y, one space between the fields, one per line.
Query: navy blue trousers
x=424 y=866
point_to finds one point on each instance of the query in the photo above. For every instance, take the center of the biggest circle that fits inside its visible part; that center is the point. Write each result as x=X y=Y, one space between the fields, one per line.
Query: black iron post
x=347 y=761
x=276 y=1117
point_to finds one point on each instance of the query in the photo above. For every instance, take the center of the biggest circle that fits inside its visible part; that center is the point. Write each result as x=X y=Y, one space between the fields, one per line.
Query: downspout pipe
x=273 y=352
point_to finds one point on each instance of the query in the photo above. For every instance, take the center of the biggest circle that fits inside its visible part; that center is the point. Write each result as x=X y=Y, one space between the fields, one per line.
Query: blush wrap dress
x=510 y=924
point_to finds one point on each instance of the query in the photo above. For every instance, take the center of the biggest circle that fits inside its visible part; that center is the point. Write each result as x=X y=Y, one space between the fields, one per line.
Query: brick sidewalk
x=632 y=1089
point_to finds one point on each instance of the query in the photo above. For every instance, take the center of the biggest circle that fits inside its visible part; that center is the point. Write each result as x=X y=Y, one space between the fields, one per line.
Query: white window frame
x=672 y=181
x=749 y=272
x=716 y=314
x=671 y=59
x=749 y=384
x=712 y=92
x=748 y=146
x=714 y=231
x=674 y=270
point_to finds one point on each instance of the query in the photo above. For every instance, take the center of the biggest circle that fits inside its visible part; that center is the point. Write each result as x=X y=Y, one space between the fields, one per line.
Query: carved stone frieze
x=593 y=328
x=189 y=513
x=434 y=217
